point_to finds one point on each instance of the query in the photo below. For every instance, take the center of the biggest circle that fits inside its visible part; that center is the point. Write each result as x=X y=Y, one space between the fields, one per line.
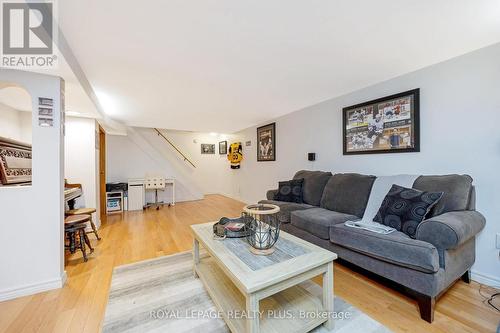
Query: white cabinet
x=135 y=194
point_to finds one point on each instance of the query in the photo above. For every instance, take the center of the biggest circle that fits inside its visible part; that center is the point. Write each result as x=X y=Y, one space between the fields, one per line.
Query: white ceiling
x=77 y=101
x=16 y=98
x=224 y=65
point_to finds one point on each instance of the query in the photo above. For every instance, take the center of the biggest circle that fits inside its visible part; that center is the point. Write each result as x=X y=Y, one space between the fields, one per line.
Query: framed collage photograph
x=207 y=148
x=266 y=143
x=385 y=125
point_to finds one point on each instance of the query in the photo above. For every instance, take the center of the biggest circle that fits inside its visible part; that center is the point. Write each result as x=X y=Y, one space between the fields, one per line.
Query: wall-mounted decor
x=385 y=125
x=266 y=141
x=45 y=112
x=223 y=148
x=248 y=143
x=15 y=162
x=207 y=148
x=45 y=101
x=235 y=155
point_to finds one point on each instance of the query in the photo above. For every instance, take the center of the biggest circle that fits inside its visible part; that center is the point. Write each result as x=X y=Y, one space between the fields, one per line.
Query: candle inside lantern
x=262 y=235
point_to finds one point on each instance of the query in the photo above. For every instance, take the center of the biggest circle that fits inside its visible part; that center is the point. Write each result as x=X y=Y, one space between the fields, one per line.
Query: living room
x=228 y=168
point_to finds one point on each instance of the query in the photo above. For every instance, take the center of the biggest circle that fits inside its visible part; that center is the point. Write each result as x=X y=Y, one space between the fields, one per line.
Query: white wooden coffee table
x=241 y=283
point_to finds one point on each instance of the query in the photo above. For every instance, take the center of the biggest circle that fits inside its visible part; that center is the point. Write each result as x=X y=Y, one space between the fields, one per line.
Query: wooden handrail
x=177 y=149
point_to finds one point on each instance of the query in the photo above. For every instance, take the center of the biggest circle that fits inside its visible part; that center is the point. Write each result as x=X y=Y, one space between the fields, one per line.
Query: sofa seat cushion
x=286 y=208
x=396 y=248
x=317 y=221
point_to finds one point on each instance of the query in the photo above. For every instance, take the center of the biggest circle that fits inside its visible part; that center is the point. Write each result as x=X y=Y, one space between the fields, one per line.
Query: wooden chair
x=75 y=225
x=85 y=211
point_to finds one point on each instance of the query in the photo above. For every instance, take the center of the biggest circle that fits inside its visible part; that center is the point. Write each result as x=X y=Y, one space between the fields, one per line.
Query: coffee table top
x=251 y=272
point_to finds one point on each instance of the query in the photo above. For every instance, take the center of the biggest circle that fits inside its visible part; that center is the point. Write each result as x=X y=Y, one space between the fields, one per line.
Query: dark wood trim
x=426 y=306
x=415 y=124
x=102 y=174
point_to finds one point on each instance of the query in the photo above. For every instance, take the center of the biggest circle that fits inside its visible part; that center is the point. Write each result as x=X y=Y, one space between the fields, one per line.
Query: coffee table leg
x=328 y=295
x=196 y=256
x=252 y=311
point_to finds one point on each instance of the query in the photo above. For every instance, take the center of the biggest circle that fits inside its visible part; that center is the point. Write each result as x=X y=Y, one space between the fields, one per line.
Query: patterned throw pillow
x=404 y=208
x=290 y=191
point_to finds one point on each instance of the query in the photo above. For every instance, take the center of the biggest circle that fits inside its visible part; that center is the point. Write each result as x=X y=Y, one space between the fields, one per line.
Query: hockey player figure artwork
x=266 y=143
x=385 y=125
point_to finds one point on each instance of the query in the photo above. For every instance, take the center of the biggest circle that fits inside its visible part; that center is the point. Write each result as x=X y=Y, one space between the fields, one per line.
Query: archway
x=15 y=135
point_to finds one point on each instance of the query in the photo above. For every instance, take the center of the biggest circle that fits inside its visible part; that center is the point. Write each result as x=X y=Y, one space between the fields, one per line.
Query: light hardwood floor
x=135 y=236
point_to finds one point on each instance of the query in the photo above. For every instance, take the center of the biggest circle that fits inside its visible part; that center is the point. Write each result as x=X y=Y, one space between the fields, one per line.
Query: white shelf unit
x=114 y=202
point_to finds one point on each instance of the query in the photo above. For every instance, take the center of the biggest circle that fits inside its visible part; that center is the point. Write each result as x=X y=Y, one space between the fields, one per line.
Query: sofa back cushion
x=313 y=185
x=457 y=191
x=347 y=193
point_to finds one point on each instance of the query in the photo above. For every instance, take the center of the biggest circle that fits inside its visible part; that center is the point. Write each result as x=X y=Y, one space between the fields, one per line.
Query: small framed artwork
x=47 y=112
x=45 y=101
x=223 y=148
x=207 y=148
x=266 y=143
x=45 y=122
x=386 y=125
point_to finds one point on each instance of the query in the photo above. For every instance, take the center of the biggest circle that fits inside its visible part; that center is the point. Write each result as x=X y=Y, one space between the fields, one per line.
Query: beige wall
x=81 y=160
x=14 y=124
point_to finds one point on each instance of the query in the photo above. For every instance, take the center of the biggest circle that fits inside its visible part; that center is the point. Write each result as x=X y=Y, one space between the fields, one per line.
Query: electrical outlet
x=498 y=241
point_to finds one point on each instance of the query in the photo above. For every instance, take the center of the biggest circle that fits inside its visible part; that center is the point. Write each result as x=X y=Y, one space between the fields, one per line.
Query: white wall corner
x=489 y=280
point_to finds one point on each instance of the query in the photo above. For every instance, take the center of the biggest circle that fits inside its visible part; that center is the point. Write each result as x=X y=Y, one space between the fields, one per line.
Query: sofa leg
x=466 y=277
x=426 y=306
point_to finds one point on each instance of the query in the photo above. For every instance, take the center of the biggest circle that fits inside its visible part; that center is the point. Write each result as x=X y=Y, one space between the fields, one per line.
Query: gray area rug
x=162 y=295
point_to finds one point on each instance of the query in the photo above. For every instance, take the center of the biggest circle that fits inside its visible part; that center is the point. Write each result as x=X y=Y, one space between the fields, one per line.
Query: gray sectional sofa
x=425 y=267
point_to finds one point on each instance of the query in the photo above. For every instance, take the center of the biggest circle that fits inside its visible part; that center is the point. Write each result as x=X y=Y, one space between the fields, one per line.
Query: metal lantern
x=263 y=227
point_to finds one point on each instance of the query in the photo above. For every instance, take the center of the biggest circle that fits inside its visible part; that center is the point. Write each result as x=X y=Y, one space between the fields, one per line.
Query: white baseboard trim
x=234 y=197
x=8 y=294
x=489 y=280
x=64 y=278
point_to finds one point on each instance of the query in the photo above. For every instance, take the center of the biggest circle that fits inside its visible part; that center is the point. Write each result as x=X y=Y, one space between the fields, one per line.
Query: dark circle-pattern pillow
x=290 y=191
x=404 y=208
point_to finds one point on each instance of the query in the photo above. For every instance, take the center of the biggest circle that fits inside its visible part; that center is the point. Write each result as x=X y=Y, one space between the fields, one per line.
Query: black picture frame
x=266 y=143
x=207 y=148
x=401 y=117
x=222 y=147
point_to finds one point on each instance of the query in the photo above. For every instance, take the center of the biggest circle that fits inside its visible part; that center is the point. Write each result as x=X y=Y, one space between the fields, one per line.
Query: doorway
x=102 y=173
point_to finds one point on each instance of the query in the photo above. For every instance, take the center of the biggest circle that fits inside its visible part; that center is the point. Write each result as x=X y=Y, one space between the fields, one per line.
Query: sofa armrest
x=450 y=230
x=271 y=194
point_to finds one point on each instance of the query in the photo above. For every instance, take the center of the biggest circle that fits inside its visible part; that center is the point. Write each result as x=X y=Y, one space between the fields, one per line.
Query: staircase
x=173 y=146
x=169 y=158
